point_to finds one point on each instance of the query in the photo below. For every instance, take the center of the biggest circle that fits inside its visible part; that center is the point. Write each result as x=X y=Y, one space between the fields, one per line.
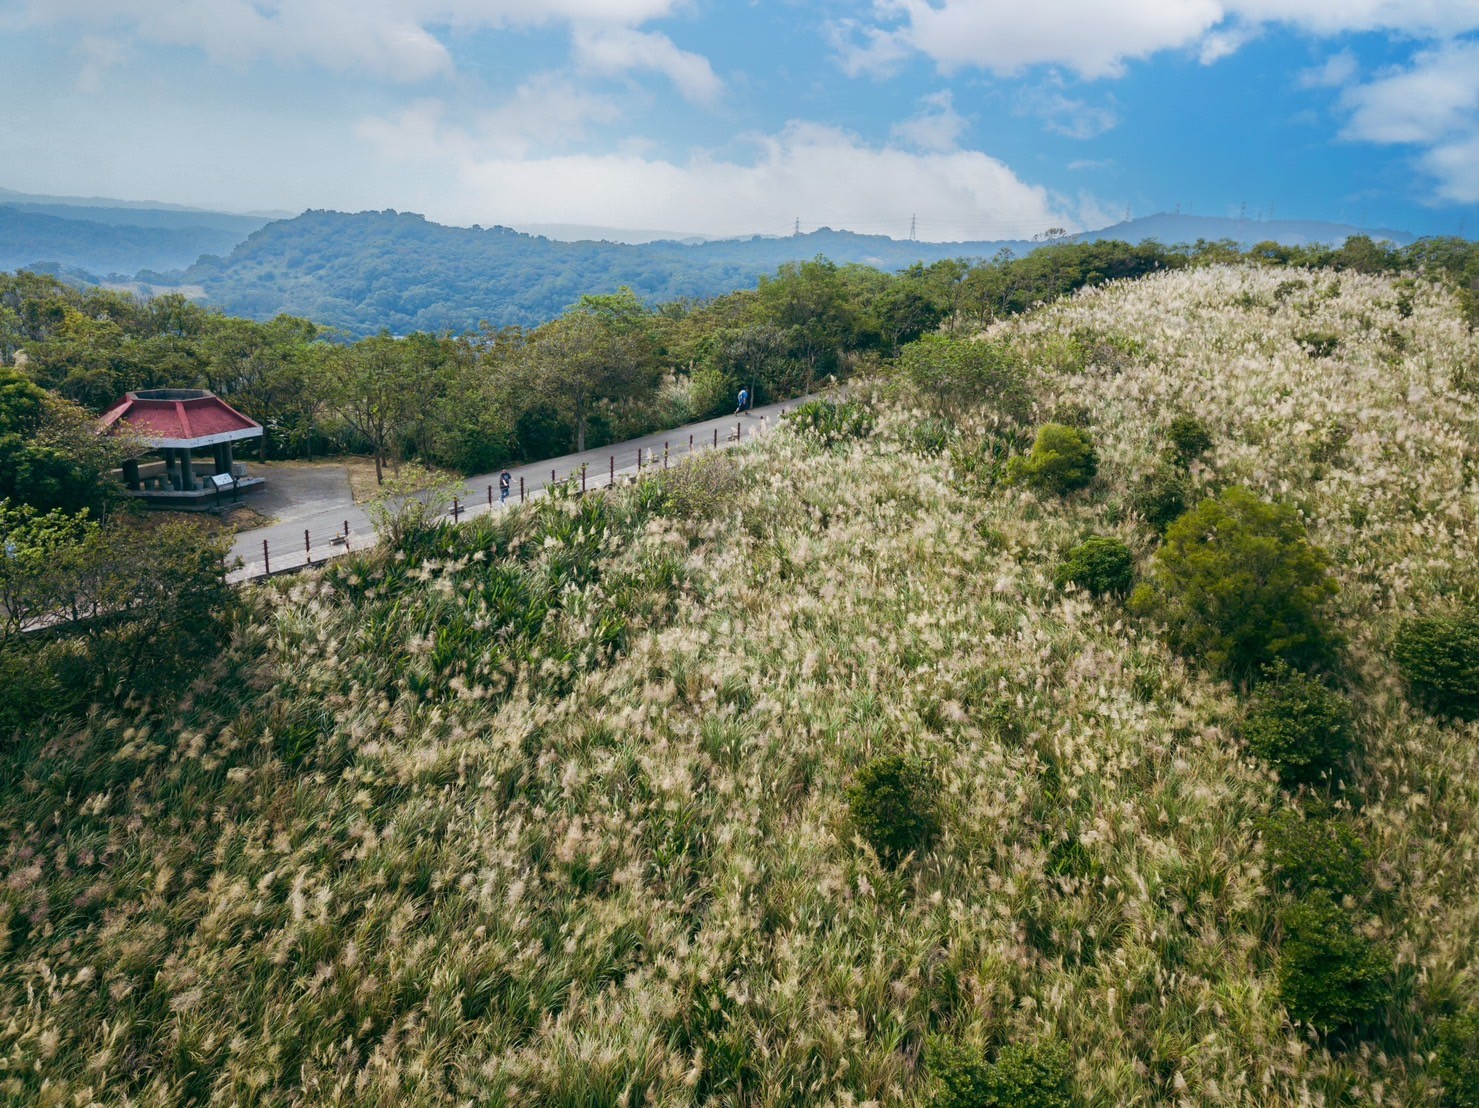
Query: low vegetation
x=803 y=780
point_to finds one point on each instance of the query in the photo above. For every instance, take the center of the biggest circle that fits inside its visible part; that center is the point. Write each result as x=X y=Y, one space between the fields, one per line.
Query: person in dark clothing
x=505 y=482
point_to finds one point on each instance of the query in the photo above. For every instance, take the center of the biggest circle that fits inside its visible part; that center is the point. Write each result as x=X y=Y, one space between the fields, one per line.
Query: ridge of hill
x=361 y=272
x=99 y=242
x=555 y=807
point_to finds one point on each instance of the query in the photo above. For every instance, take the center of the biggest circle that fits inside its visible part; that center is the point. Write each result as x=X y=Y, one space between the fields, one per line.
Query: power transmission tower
x=913 y=227
x=797 y=232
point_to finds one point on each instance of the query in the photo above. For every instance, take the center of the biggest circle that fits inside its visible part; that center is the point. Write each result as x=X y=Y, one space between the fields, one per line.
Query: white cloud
x=936 y=128
x=1433 y=104
x=1095 y=38
x=1438 y=95
x=612 y=50
x=793 y=173
x=1456 y=166
x=1092 y=37
x=1063 y=114
x=546 y=113
x=393 y=39
x=1337 y=70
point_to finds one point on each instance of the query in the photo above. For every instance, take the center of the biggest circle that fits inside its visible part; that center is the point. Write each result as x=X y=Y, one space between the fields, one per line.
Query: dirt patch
x=362 y=482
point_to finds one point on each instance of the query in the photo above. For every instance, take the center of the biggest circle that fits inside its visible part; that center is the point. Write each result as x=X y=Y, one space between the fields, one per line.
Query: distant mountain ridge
x=400 y=271
x=370 y=270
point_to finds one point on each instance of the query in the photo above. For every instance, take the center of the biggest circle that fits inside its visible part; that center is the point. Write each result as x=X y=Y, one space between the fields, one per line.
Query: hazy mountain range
x=370 y=270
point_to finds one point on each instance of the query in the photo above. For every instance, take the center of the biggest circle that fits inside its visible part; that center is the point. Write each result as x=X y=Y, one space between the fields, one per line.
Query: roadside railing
x=281 y=557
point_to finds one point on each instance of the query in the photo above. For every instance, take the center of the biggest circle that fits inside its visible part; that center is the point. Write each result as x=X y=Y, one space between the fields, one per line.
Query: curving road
x=313 y=536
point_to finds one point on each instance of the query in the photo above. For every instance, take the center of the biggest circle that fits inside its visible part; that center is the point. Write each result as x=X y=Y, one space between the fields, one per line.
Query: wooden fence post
x=612 y=482
x=665 y=455
x=582 y=478
x=307 y=548
x=266 y=561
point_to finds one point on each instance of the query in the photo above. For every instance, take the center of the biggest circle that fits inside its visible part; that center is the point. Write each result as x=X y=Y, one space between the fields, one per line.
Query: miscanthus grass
x=552 y=809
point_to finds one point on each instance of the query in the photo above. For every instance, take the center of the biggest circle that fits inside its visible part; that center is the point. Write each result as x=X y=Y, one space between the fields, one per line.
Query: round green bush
x=1188 y=439
x=1439 y=659
x=1331 y=977
x=1102 y=565
x=1027 y=1075
x=1298 y=726
x=892 y=803
x=1160 y=498
x=1238 y=585
x=1457 y=1061
x=1062 y=460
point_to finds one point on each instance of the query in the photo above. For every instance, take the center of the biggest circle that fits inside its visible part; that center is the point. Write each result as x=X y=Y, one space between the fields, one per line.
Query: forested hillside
x=361 y=273
x=83 y=241
x=1077 y=713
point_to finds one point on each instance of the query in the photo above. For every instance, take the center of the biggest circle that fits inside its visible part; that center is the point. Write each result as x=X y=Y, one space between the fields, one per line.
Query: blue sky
x=982 y=119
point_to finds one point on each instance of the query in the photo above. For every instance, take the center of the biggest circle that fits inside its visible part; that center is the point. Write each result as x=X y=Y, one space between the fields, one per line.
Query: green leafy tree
x=1239 y=585
x=1104 y=566
x=374 y=391
x=1331 y=977
x=1317 y=850
x=1160 y=497
x=892 y=805
x=50 y=453
x=1023 y=1075
x=600 y=352
x=954 y=374
x=1062 y=460
x=1456 y=1063
x=1439 y=659
x=1187 y=439
x=1298 y=726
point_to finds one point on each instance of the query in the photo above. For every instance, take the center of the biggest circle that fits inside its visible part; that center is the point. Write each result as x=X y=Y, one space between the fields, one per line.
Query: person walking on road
x=744 y=401
x=505 y=483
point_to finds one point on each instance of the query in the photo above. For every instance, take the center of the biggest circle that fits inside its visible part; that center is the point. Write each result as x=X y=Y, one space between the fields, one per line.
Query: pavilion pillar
x=131 y=474
x=187 y=473
x=171 y=468
x=230 y=457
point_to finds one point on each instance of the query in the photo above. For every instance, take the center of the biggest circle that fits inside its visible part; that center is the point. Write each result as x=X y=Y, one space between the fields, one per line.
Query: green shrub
x=711 y=392
x=1331 y=977
x=1188 y=439
x=1457 y=1062
x=1298 y=726
x=1034 y=1075
x=1439 y=659
x=952 y=373
x=1318 y=344
x=1238 y=585
x=1062 y=460
x=699 y=488
x=1160 y=499
x=1102 y=565
x=892 y=803
x=831 y=421
x=1312 y=852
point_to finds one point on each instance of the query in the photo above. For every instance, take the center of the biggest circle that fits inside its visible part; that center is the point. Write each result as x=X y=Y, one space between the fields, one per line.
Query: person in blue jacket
x=744 y=401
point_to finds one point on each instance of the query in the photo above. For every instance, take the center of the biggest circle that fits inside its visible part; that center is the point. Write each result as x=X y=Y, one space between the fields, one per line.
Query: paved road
x=288 y=548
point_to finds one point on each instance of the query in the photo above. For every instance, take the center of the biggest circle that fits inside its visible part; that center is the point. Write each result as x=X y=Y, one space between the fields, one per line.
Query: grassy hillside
x=552 y=809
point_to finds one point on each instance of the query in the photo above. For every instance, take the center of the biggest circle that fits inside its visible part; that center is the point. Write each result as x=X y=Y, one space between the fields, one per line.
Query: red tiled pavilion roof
x=178 y=418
